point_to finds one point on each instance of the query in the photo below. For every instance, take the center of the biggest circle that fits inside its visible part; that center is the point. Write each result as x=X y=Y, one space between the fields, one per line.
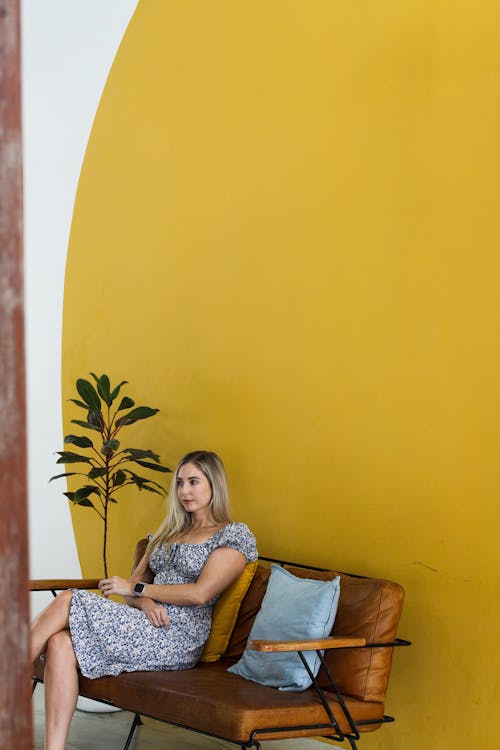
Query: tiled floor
x=108 y=731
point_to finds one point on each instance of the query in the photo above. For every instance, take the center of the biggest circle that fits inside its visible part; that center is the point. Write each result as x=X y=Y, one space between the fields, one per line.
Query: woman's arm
x=223 y=566
x=142 y=573
x=155 y=613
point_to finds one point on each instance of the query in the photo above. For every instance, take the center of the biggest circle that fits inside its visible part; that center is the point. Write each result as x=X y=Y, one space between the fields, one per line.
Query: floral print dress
x=109 y=637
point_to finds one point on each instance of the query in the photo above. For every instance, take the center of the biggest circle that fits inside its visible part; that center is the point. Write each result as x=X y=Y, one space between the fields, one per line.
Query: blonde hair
x=178 y=521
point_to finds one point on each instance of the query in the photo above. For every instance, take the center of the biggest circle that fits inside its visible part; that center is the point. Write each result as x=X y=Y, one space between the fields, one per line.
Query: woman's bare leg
x=50 y=621
x=61 y=689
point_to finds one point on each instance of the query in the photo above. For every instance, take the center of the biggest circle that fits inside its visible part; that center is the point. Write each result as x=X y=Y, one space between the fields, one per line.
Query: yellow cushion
x=225 y=614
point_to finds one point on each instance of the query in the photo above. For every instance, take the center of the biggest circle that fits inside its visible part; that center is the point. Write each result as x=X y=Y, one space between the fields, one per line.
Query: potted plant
x=109 y=467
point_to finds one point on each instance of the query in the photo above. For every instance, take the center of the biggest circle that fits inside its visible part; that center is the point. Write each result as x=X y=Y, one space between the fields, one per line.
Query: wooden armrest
x=310 y=645
x=60 y=584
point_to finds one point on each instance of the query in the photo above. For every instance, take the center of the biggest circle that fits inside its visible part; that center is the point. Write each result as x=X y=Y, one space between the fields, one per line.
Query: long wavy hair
x=178 y=521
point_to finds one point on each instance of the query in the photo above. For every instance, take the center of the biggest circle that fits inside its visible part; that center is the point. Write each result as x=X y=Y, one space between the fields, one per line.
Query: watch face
x=139 y=588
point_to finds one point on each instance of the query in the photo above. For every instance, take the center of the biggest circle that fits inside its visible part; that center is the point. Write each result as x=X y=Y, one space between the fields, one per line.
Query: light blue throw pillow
x=293 y=609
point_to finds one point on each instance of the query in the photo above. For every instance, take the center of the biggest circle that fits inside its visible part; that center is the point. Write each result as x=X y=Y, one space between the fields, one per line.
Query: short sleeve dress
x=109 y=638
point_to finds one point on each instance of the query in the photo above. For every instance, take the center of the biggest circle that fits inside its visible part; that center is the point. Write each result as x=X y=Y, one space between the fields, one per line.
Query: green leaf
x=67 y=457
x=142 y=412
x=155 y=467
x=78 y=403
x=119 y=478
x=81 y=442
x=94 y=417
x=97 y=472
x=148 y=481
x=109 y=447
x=66 y=474
x=87 y=425
x=103 y=389
x=163 y=490
x=84 y=492
x=85 y=502
x=139 y=481
x=114 y=393
x=80 y=497
x=150 y=489
x=88 y=394
x=126 y=403
x=143 y=483
x=138 y=453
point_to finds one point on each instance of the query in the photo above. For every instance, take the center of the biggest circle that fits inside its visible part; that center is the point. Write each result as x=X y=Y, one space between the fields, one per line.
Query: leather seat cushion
x=212 y=700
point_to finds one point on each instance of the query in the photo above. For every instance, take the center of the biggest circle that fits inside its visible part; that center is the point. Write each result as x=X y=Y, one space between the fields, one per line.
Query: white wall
x=68 y=47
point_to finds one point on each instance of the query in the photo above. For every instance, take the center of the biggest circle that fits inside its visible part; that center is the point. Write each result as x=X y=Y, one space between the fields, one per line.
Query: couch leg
x=137 y=722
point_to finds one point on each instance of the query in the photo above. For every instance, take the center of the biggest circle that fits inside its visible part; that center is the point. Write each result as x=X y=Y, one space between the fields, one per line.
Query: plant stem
x=105 y=519
x=99 y=513
x=106 y=436
x=97 y=452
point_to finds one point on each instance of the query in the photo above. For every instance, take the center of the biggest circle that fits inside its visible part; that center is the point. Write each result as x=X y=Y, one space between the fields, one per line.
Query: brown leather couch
x=347 y=700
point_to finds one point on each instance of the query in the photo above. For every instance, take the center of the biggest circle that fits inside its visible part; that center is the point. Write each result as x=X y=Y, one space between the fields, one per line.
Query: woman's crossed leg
x=50 y=632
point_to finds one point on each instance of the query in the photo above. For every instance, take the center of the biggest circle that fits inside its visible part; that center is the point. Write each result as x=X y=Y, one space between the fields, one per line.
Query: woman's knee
x=64 y=598
x=60 y=644
x=62 y=603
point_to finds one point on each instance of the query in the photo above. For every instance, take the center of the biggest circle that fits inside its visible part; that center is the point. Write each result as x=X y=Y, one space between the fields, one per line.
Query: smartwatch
x=139 y=589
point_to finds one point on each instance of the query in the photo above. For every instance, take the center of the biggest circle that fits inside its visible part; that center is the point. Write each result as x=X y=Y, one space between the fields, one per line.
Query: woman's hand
x=156 y=614
x=116 y=585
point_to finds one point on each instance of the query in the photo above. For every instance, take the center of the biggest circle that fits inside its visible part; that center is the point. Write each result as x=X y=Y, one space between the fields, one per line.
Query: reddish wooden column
x=15 y=703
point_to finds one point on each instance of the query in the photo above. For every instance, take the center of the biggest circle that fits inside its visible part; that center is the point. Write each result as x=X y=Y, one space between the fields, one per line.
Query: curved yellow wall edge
x=252 y=251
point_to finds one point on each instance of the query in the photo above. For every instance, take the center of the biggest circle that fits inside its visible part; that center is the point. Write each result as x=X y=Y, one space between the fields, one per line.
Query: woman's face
x=193 y=489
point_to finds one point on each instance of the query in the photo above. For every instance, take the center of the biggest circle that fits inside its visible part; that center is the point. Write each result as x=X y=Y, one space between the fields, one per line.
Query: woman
x=195 y=554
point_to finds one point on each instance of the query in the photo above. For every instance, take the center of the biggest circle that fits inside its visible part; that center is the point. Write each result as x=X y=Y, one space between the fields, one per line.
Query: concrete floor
x=108 y=731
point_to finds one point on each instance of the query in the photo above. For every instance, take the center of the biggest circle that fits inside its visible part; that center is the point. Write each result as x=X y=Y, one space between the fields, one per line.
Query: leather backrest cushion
x=248 y=610
x=139 y=553
x=370 y=608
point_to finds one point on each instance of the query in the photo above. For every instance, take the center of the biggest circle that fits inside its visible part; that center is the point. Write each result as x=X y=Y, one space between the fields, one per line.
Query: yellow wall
x=283 y=239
